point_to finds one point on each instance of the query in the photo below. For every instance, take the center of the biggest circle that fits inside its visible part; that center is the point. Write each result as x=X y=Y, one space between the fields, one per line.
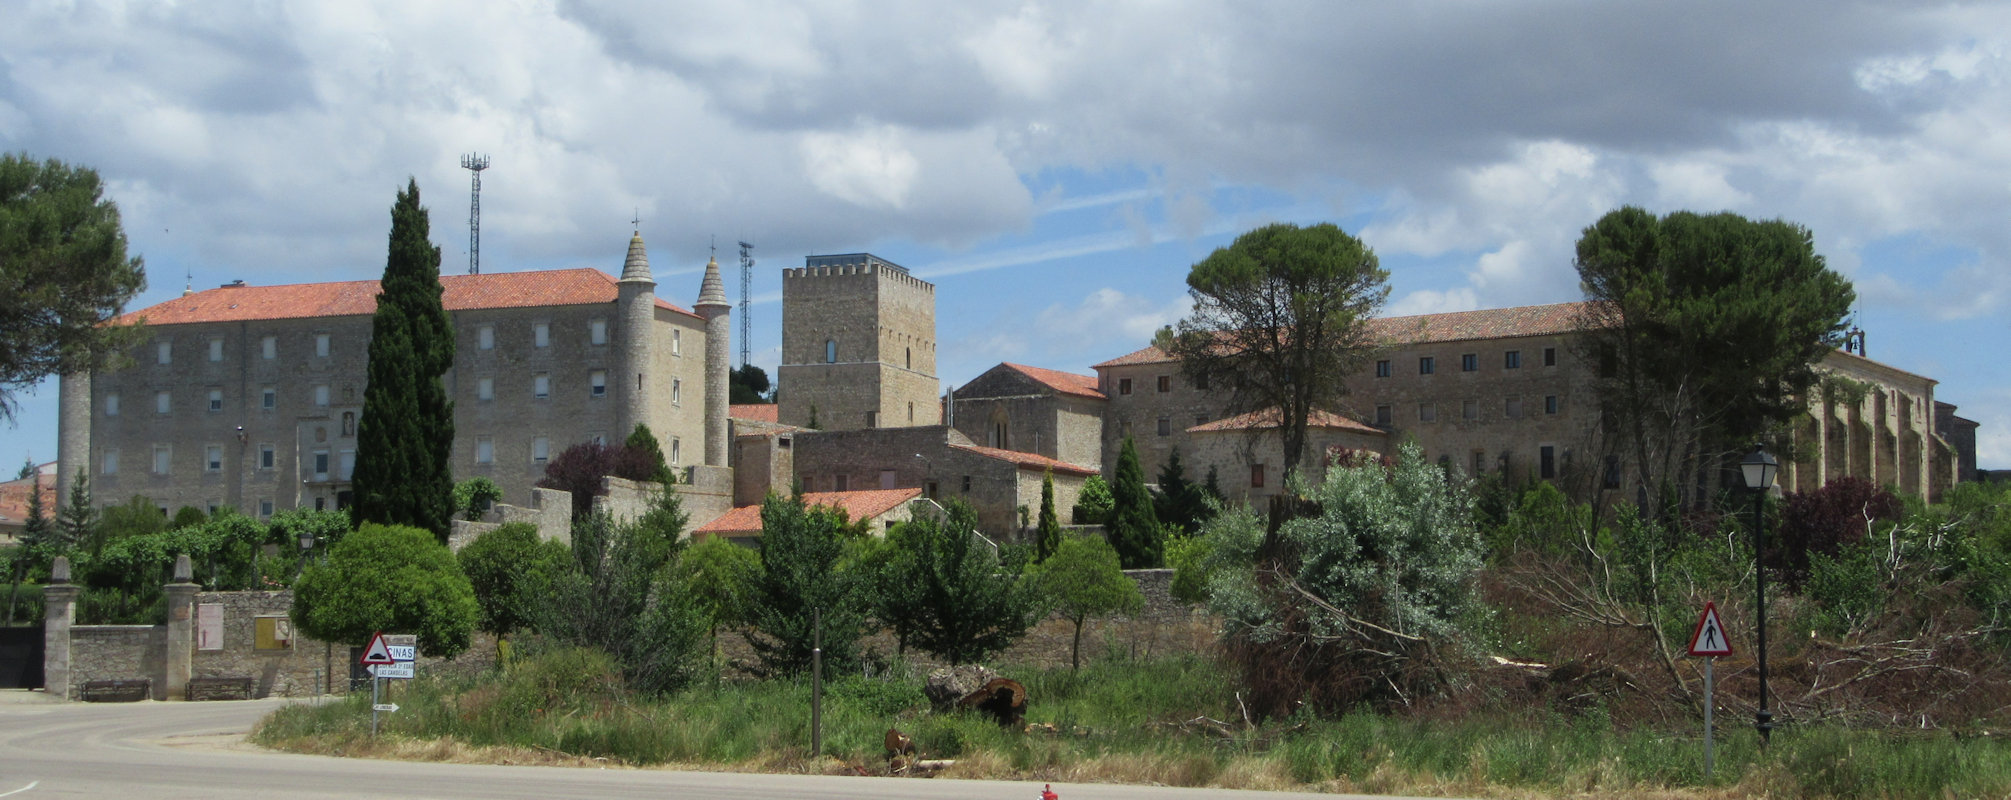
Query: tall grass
x=1131 y=721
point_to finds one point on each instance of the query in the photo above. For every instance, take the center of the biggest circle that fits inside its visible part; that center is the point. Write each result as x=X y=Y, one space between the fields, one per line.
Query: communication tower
x=474 y=164
x=746 y=297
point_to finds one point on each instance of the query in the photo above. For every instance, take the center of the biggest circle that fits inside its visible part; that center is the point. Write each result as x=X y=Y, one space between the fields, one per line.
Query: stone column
x=59 y=599
x=181 y=632
x=73 y=431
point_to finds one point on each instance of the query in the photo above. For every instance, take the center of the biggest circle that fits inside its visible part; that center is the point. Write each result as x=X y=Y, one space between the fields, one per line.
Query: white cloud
x=868 y=168
x=1426 y=301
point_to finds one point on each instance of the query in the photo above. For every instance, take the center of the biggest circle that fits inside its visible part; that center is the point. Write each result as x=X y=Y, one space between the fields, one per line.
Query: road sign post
x=1708 y=642
x=377 y=655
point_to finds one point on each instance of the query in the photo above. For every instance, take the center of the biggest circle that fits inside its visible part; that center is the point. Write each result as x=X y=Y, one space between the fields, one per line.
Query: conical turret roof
x=637 y=266
x=713 y=291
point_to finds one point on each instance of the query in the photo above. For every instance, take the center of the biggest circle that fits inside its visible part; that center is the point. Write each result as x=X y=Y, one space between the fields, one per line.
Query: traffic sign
x=403 y=670
x=385 y=707
x=1709 y=638
x=378 y=652
x=403 y=652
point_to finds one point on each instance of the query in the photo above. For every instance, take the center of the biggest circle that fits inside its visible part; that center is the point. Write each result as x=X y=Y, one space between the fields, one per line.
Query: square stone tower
x=858 y=345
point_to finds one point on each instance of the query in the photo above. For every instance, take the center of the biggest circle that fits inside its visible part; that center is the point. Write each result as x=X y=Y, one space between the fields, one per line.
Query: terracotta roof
x=1026 y=460
x=1149 y=355
x=559 y=287
x=14 y=498
x=1268 y=418
x=1453 y=326
x=1064 y=382
x=865 y=504
x=757 y=412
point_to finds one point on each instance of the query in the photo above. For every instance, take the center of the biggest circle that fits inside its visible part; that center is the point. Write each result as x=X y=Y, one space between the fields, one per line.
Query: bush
x=1092 y=505
x=473 y=497
x=389 y=578
x=946 y=593
x=1826 y=521
x=511 y=572
x=615 y=596
x=802 y=572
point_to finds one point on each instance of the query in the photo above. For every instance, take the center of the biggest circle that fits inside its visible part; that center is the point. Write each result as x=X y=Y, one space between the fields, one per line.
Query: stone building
x=1043 y=411
x=858 y=345
x=248 y=396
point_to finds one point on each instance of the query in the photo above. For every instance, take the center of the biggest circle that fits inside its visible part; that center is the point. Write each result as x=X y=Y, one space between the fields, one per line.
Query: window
x=1165 y=426
x=345 y=465
x=1469 y=410
x=1383 y=368
x=268 y=347
x=541 y=385
x=321 y=345
x=161 y=453
x=485 y=450
x=212 y=458
x=162 y=403
x=216 y=348
x=1124 y=386
x=830 y=350
x=1427 y=412
x=1479 y=461
x=111 y=404
x=1549 y=356
x=887 y=479
x=1469 y=362
x=1513 y=408
x=321 y=465
x=872 y=419
x=1383 y=415
x=1511 y=359
x=485 y=337
x=1547 y=461
x=265 y=507
x=677 y=346
x=215 y=400
x=266 y=456
x=1256 y=476
x=1550 y=404
x=676 y=391
x=541 y=449
x=597 y=331
x=597 y=381
x=1426 y=365
x=485 y=389
x=541 y=334
x=911 y=416
x=321 y=395
x=910 y=353
x=841 y=482
x=268 y=398
x=111 y=462
x=676 y=451
x=164 y=352
x=967 y=484
x=1165 y=384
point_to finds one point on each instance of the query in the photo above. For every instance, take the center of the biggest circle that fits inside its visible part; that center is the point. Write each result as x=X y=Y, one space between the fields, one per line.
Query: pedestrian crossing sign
x=1709 y=639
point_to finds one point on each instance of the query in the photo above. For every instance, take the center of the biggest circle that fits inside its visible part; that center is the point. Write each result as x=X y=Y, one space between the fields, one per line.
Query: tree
x=188 y=517
x=472 y=497
x=1084 y=581
x=138 y=516
x=801 y=573
x=1705 y=330
x=1280 y=322
x=78 y=519
x=1134 y=530
x=748 y=384
x=392 y=578
x=511 y=571
x=1092 y=504
x=616 y=596
x=1050 y=524
x=406 y=433
x=38 y=544
x=1179 y=501
x=720 y=575
x=946 y=592
x=579 y=469
x=63 y=274
x=642 y=458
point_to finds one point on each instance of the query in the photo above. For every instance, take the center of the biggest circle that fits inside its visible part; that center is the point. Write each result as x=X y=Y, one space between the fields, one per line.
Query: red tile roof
x=1026 y=460
x=865 y=504
x=1268 y=418
x=14 y=498
x=1064 y=382
x=1149 y=355
x=559 y=287
x=1454 y=326
x=755 y=412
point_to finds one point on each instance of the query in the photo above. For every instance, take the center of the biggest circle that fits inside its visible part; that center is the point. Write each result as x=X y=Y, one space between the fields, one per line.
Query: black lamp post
x=1759 y=467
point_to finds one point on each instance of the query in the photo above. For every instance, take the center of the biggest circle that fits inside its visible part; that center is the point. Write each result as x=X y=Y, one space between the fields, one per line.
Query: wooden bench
x=221 y=688
x=124 y=690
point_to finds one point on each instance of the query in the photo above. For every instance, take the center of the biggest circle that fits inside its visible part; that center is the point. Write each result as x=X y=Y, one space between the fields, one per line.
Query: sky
x=1054 y=168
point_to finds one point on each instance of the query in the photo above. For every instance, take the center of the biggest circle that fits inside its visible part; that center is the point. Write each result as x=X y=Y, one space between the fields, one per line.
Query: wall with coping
x=118 y=652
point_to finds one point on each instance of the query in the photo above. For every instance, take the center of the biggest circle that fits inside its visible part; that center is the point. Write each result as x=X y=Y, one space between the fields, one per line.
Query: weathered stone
x=946 y=686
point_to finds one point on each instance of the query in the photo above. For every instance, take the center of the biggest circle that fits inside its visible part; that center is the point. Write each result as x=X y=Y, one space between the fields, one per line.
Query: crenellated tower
x=858 y=345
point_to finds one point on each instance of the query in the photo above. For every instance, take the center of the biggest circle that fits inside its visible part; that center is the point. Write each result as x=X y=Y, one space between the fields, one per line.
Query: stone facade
x=944 y=464
x=858 y=346
x=1012 y=409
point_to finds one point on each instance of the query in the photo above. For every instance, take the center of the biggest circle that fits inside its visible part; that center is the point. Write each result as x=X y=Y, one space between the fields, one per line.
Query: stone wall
x=551 y=512
x=858 y=344
x=300 y=670
x=118 y=652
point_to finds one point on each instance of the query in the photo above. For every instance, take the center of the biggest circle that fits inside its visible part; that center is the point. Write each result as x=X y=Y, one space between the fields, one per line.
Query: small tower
x=636 y=302
x=858 y=345
x=712 y=305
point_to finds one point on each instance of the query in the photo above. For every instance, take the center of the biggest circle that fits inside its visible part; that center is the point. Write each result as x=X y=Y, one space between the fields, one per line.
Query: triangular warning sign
x=378 y=652
x=1709 y=639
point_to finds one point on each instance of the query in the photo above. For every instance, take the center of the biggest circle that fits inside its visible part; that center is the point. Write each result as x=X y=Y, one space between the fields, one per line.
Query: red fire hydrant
x=1047 y=792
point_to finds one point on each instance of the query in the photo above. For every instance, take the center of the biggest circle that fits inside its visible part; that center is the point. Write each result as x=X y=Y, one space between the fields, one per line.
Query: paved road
x=128 y=750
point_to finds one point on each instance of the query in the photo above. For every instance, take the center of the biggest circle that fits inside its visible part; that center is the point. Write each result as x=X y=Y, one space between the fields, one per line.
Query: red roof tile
x=1026 y=460
x=1268 y=418
x=1149 y=355
x=864 y=504
x=1494 y=323
x=559 y=287
x=1064 y=382
x=756 y=412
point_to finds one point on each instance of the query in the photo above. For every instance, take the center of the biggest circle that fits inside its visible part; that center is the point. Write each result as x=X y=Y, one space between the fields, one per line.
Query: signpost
x=1708 y=642
x=375 y=655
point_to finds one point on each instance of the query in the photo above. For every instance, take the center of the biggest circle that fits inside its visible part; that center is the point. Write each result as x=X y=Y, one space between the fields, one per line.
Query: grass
x=1122 y=721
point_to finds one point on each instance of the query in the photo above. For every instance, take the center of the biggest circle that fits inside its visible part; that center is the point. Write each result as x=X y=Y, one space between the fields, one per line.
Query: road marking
x=31 y=785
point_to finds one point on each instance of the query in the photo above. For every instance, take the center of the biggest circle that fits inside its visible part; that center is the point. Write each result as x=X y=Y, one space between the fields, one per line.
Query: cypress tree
x=1134 y=529
x=1050 y=523
x=407 y=428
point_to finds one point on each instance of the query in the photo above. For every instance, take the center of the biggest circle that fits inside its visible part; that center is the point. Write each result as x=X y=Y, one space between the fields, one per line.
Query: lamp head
x=1759 y=468
x=306 y=540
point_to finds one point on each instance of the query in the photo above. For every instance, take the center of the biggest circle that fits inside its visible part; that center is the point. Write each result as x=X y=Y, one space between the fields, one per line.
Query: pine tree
x=1179 y=501
x=1050 y=523
x=35 y=535
x=647 y=453
x=407 y=429
x=77 y=520
x=1134 y=529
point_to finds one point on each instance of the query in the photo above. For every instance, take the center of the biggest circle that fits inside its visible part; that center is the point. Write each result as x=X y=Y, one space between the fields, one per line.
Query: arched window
x=830 y=351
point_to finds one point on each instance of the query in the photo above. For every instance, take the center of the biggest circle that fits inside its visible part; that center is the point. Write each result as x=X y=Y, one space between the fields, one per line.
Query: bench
x=221 y=688
x=124 y=690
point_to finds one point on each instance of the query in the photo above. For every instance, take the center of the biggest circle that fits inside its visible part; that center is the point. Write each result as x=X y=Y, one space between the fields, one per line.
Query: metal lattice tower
x=746 y=297
x=474 y=164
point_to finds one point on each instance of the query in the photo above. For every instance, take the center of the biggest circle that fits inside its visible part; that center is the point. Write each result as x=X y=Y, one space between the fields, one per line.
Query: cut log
x=1004 y=699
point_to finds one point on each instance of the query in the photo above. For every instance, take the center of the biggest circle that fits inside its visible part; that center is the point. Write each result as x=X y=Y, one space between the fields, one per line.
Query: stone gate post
x=181 y=631
x=60 y=612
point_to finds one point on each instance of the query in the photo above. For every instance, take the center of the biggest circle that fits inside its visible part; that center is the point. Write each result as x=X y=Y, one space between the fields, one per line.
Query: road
x=168 y=750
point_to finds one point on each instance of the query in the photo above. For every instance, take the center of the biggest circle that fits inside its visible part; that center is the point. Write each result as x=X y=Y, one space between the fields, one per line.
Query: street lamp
x=1759 y=467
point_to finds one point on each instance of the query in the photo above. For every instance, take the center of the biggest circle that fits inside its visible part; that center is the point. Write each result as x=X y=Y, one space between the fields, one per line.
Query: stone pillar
x=713 y=307
x=73 y=431
x=59 y=600
x=181 y=632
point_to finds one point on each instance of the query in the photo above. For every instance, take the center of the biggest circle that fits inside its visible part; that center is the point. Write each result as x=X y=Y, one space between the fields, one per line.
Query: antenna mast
x=474 y=164
x=746 y=297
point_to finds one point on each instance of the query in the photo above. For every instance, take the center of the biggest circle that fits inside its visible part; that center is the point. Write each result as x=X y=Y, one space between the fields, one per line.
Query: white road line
x=31 y=785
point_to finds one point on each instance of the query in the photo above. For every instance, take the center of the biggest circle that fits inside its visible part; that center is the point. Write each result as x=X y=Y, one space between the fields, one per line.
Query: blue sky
x=1053 y=167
